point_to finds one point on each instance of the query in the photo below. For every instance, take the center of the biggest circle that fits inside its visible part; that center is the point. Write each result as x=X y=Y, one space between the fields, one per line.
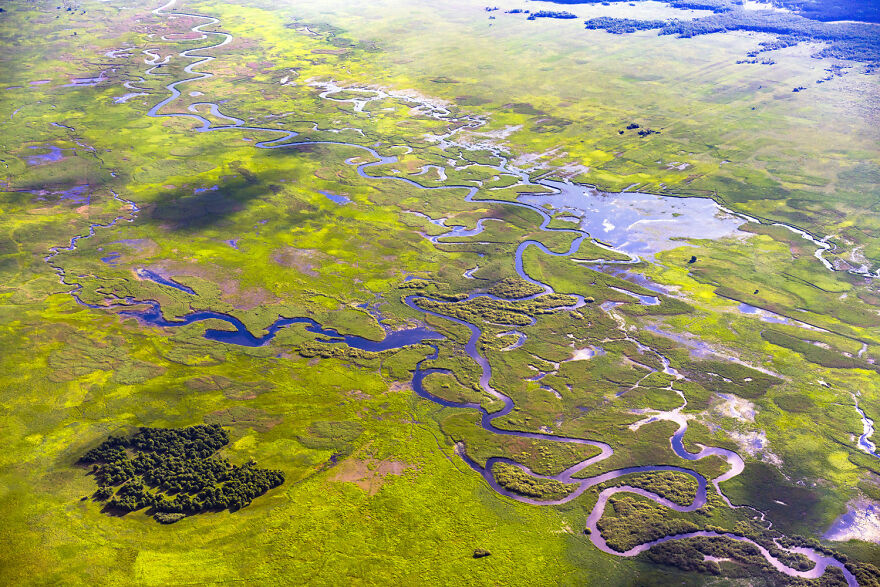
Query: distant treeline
x=864 y=10
x=551 y=14
x=539 y=14
x=822 y=10
x=174 y=472
x=716 y=5
x=855 y=41
x=620 y=26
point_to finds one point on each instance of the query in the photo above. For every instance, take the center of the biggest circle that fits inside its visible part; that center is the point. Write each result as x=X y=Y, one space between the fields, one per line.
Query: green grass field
x=375 y=489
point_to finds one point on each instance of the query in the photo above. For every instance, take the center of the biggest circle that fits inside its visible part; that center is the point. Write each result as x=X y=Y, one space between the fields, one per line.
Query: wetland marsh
x=294 y=223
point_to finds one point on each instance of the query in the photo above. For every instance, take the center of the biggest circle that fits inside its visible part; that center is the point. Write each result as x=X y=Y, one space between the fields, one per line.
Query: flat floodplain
x=454 y=293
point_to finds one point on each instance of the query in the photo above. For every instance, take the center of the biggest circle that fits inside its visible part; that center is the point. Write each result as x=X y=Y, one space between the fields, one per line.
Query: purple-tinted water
x=81 y=82
x=156 y=277
x=111 y=259
x=54 y=154
x=241 y=336
x=335 y=198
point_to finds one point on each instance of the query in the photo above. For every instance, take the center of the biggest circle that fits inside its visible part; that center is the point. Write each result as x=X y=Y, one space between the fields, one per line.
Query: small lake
x=335 y=198
x=636 y=223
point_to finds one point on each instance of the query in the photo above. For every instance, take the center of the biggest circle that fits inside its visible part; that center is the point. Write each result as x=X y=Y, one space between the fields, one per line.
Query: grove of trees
x=175 y=473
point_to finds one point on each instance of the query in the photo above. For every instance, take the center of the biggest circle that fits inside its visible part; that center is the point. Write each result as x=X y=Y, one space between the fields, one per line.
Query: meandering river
x=570 y=198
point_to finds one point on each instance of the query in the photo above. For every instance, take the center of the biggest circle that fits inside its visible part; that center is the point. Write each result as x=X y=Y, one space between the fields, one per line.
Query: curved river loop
x=393 y=340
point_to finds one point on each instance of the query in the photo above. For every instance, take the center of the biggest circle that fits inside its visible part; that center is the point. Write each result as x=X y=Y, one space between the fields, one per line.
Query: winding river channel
x=149 y=311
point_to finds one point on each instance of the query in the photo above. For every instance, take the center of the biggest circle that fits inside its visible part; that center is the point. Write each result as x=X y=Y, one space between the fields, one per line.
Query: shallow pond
x=636 y=223
x=860 y=522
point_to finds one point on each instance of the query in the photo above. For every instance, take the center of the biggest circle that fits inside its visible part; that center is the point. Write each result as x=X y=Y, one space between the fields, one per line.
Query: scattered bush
x=518 y=481
x=635 y=521
x=679 y=488
x=166 y=518
x=514 y=288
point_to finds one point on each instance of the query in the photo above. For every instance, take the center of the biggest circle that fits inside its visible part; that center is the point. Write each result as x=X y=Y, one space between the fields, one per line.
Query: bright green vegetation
x=679 y=488
x=737 y=560
x=727 y=377
x=816 y=351
x=632 y=521
x=499 y=311
x=511 y=287
x=373 y=489
x=178 y=463
x=542 y=457
x=514 y=479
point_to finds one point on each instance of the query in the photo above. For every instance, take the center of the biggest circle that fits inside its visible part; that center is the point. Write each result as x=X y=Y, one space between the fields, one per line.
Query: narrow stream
x=865 y=442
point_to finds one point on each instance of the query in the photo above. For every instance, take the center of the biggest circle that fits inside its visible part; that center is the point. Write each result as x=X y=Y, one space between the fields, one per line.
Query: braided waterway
x=149 y=311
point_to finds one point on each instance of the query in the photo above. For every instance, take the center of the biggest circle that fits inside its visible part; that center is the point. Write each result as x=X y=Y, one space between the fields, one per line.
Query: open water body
x=241 y=336
x=636 y=223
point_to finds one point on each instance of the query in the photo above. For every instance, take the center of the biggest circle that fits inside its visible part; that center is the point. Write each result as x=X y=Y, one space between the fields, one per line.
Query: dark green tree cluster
x=621 y=26
x=867 y=574
x=714 y=5
x=831 y=10
x=821 y=10
x=513 y=313
x=846 y=40
x=174 y=471
x=690 y=555
x=551 y=14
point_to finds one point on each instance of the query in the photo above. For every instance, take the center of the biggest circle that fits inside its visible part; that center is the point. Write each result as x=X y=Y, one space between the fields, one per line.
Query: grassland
x=374 y=491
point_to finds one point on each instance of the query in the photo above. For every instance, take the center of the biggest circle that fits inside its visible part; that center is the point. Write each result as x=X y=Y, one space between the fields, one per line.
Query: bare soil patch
x=368 y=474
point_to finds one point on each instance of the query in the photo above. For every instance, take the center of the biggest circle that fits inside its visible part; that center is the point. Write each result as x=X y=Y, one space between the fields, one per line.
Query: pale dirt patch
x=42 y=211
x=358 y=394
x=755 y=444
x=583 y=354
x=368 y=474
x=296 y=259
x=530 y=159
x=571 y=170
x=564 y=528
x=248 y=298
x=145 y=247
x=501 y=133
x=732 y=406
x=398 y=386
x=861 y=522
x=243 y=299
x=171 y=269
